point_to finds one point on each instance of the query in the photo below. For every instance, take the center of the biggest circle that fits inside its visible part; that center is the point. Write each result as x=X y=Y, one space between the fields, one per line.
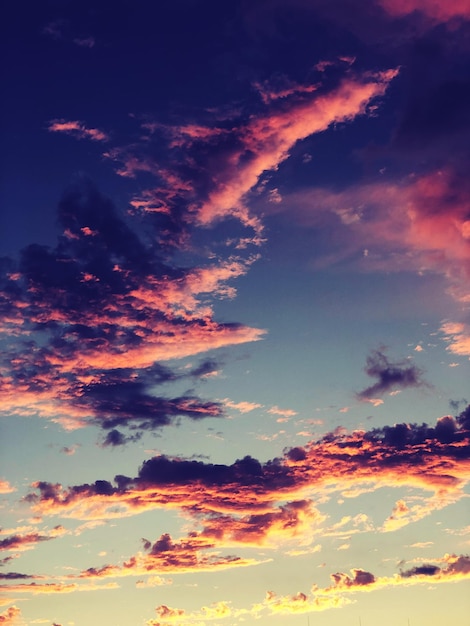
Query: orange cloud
x=10 y=615
x=5 y=487
x=218 y=610
x=249 y=502
x=188 y=555
x=457 y=335
x=456 y=569
x=28 y=540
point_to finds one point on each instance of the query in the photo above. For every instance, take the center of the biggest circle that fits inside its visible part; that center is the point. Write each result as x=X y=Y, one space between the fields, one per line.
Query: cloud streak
x=456 y=568
x=76 y=128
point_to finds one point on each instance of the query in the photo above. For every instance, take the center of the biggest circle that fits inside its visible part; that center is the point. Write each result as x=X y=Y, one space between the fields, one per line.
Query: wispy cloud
x=419 y=223
x=77 y=129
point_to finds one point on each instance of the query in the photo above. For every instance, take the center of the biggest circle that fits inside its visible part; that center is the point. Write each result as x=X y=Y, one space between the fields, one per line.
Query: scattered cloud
x=343 y=585
x=389 y=375
x=275 y=410
x=77 y=129
x=106 y=312
x=457 y=335
x=28 y=540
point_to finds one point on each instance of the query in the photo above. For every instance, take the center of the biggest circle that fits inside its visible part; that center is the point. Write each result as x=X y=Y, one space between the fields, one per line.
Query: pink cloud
x=437 y=10
x=417 y=223
x=268 y=140
x=77 y=129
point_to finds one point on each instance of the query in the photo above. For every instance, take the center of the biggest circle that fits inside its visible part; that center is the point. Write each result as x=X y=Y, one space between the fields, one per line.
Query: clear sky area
x=235 y=313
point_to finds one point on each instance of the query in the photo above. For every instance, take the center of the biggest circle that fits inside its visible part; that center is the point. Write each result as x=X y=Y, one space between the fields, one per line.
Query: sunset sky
x=235 y=313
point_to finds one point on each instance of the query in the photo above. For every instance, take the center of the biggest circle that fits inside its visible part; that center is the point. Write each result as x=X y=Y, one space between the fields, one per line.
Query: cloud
x=419 y=223
x=16 y=576
x=437 y=10
x=343 y=585
x=243 y=407
x=216 y=166
x=5 y=487
x=249 y=502
x=56 y=587
x=77 y=129
x=194 y=553
x=275 y=410
x=389 y=375
x=26 y=541
x=265 y=141
x=457 y=335
x=95 y=317
x=292 y=521
x=10 y=615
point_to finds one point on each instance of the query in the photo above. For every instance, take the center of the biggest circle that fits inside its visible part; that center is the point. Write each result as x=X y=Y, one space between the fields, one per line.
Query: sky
x=235 y=313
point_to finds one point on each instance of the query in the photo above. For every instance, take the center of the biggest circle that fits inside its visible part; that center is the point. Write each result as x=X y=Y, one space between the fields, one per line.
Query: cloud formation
x=390 y=375
x=28 y=540
x=96 y=316
x=251 y=503
x=337 y=595
x=77 y=129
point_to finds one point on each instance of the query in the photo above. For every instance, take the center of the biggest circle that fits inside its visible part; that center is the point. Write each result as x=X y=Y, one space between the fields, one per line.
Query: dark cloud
x=390 y=375
x=205 y=368
x=97 y=314
x=18 y=541
x=15 y=576
x=116 y=438
x=421 y=570
x=435 y=457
